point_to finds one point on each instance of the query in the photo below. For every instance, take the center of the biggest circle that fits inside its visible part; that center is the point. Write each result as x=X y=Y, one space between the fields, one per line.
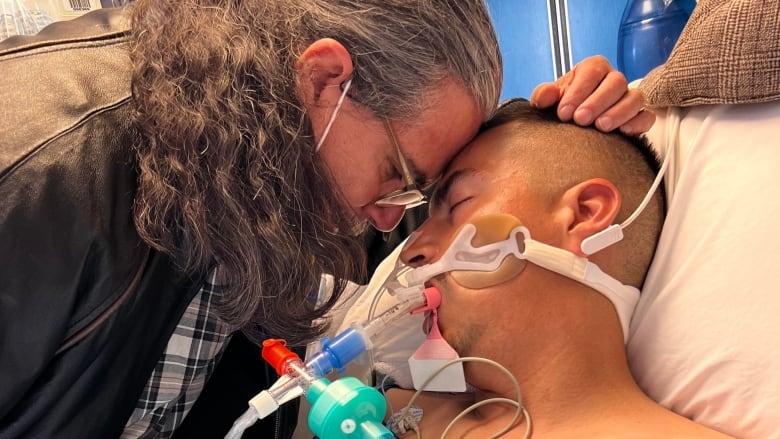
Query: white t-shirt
x=705 y=337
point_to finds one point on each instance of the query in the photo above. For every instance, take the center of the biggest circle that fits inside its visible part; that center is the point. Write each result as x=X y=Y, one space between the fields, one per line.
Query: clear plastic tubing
x=335 y=353
x=351 y=342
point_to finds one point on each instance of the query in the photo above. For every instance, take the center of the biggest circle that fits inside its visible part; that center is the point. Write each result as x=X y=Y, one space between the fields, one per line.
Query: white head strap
x=461 y=255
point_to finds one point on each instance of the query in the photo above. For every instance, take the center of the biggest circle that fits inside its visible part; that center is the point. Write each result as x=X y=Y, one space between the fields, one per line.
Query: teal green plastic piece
x=346 y=408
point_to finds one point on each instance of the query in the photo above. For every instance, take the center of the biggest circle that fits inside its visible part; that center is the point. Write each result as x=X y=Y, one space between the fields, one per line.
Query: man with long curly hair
x=178 y=170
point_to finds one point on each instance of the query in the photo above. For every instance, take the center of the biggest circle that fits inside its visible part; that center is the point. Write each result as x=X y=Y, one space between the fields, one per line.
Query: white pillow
x=704 y=337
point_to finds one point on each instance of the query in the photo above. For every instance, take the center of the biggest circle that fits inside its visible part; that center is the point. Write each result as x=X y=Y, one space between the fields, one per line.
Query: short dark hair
x=569 y=154
x=521 y=109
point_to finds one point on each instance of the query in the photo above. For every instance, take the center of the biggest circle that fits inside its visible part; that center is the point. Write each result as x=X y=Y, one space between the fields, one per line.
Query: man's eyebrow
x=443 y=188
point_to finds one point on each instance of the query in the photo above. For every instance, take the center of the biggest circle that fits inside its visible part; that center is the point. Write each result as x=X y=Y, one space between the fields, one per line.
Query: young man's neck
x=567 y=361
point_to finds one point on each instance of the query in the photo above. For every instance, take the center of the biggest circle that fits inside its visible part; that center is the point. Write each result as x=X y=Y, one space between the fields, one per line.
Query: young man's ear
x=586 y=209
x=323 y=65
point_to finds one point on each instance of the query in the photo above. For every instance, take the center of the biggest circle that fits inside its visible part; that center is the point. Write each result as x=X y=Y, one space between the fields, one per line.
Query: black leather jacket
x=86 y=307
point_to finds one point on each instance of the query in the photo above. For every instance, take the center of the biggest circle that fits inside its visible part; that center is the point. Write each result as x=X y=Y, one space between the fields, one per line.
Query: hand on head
x=594 y=93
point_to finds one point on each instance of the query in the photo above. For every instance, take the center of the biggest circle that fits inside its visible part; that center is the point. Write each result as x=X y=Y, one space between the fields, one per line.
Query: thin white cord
x=479 y=404
x=390 y=408
x=518 y=403
x=371 y=312
x=333 y=115
x=653 y=187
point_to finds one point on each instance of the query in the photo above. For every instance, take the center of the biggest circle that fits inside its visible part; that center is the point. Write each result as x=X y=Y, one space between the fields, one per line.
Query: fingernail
x=604 y=123
x=583 y=117
x=627 y=130
x=565 y=113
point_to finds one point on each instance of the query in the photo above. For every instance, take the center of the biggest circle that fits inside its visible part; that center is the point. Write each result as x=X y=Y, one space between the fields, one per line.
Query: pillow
x=728 y=53
x=704 y=335
x=703 y=339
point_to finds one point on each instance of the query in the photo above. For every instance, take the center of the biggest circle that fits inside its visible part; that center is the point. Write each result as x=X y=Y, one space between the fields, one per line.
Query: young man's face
x=484 y=179
x=365 y=163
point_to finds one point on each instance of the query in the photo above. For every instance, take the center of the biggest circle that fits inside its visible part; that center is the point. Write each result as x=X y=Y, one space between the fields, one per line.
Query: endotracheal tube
x=330 y=408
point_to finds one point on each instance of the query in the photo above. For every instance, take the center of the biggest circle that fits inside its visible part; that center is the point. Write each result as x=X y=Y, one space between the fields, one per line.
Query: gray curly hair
x=227 y=162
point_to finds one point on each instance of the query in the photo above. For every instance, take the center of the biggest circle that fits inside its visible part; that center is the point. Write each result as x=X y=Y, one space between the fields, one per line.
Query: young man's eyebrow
x=443 y=188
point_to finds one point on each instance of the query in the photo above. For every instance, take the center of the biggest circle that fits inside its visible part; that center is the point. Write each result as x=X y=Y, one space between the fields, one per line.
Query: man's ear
x=324 y=63
x=588 y=208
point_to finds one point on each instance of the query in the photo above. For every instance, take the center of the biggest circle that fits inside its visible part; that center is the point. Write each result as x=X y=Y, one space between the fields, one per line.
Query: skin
x=375 y=164
x=593 y=92
x=476 y=192
x=360 y=155
x=566 y=348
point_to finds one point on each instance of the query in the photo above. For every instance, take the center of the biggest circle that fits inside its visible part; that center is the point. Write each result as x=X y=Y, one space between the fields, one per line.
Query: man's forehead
x=485 y=152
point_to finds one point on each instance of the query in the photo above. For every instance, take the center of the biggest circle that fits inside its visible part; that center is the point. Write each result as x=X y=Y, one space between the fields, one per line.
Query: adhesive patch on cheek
x=491 y=229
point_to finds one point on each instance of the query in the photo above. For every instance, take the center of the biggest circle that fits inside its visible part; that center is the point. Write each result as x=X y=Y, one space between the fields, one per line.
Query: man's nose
x=421 y=248
x=384 y=219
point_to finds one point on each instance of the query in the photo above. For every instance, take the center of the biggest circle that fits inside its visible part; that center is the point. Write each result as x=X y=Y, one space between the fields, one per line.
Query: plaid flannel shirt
x=183 y=369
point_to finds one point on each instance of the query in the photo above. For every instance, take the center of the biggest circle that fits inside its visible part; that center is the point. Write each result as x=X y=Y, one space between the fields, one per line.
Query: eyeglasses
x=411 y=195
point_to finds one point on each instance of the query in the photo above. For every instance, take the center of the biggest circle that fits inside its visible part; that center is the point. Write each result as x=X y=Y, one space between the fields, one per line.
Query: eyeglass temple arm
x=407 y=175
